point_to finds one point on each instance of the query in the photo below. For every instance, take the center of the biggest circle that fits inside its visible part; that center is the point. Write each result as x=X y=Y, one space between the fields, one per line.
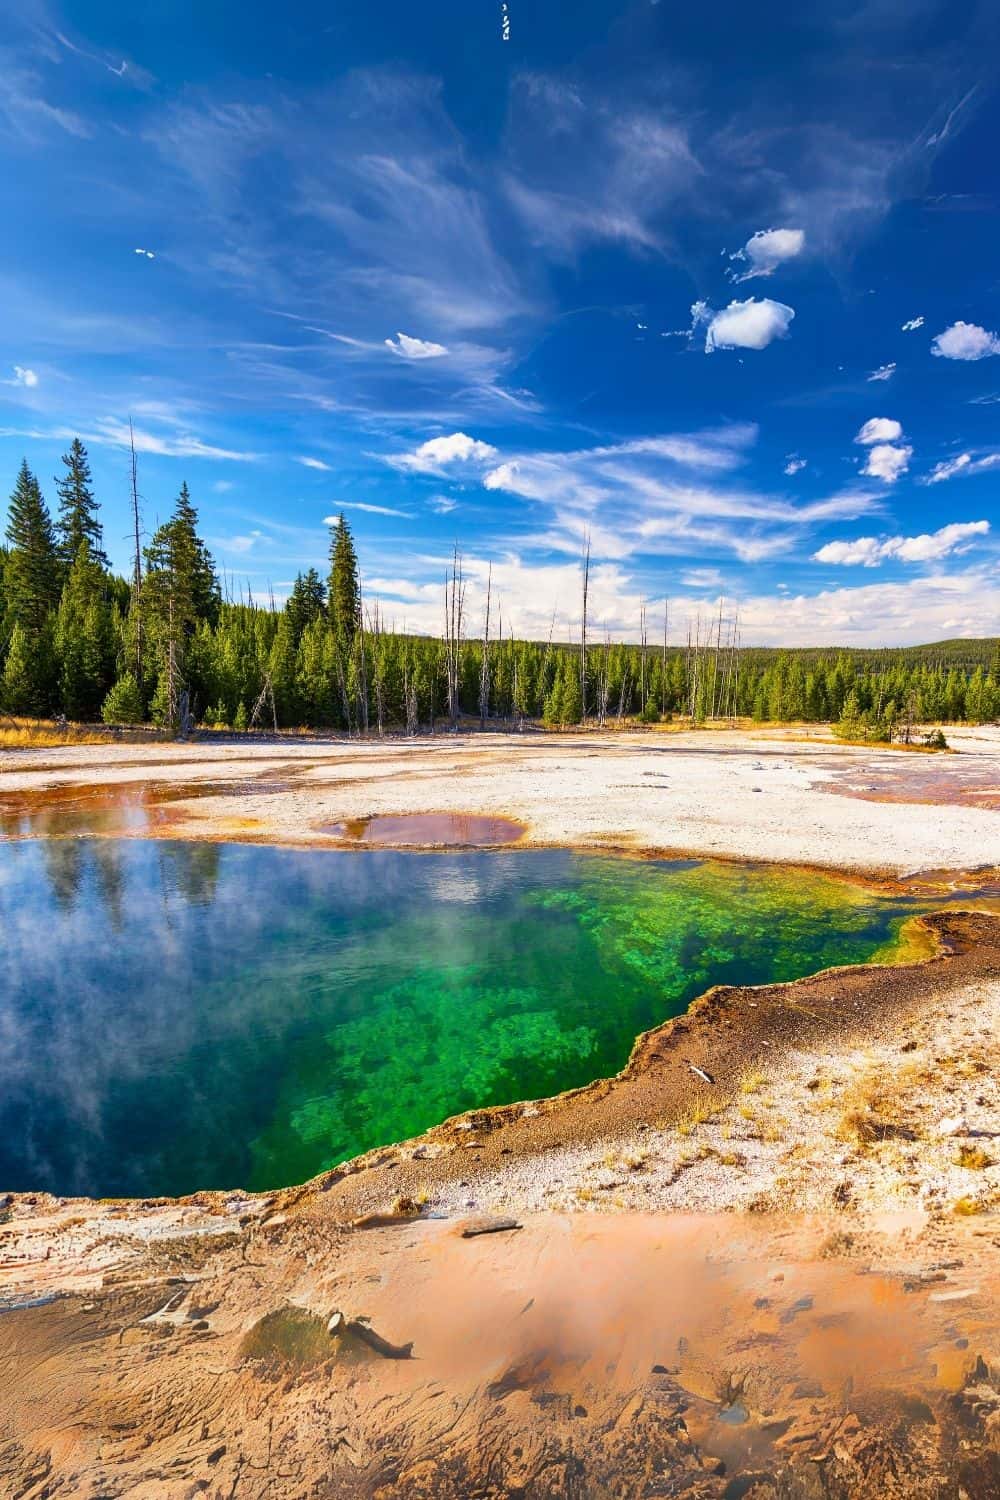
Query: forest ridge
x=164 y=645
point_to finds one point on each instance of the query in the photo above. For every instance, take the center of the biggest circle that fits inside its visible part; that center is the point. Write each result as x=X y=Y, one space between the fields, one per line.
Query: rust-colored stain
x=429 y=830
x=75 y=811
x=941 y=781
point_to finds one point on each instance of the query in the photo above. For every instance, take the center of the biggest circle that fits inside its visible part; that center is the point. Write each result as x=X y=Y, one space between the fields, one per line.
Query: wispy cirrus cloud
x=26 y=109
x=666 y=495
x=124 y=68
x=586 y=167
x=110 y=432
x=963 y=464
x=372 y=510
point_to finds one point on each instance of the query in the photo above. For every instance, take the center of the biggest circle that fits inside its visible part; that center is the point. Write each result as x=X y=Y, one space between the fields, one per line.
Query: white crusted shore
x=784 y=796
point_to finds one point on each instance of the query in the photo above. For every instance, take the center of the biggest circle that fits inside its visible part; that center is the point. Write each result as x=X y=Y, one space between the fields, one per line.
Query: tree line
x=165 y=646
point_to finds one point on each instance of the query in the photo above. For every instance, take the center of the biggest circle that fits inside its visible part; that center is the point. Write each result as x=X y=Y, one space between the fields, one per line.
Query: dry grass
x=699 y=1113
x=875 y=1106
x=752 y=1081
x=973 y=1157
x=46 y=734
x=626 y=1161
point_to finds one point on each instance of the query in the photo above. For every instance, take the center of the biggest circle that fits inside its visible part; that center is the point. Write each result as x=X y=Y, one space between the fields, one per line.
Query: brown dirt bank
x=702 y=1056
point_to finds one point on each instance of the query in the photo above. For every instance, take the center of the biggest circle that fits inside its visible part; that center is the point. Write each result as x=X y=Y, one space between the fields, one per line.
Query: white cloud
x=766 y=250
x=927 y=607
x=23 y=376
x=887 y=461
x=433 y=455
x=884 y=372
x=965 y=341
x=879 y=430
x=870 y=551
x=701 y=578
x=240 y=544
x=887 y=458
x=372 y=510
x=314 y=463
x=912 y=323
x=222 y=486
x=963 y=463
x=864 y=550
x=443 y=504
x=409 y=348
x=751 y=324
x=794 y=464
x=149 y=254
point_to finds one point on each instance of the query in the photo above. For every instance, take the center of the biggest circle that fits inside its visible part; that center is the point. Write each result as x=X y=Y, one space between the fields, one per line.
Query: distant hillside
x=965 y=655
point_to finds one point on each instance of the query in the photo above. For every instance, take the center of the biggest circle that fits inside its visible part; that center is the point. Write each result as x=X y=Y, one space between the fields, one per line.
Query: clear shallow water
x=176 y=1016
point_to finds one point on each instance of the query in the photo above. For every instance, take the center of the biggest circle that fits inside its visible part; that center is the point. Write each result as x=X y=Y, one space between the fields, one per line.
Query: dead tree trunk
x=663 y=662
x=484 y=666
x=264 y=697
x=454 y=606
x=137 y=564
x=583 y=633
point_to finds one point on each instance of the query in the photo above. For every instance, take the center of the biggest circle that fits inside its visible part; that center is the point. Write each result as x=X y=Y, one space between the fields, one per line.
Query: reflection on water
x=184 y=1015
x=458 y=830
x=77 y=810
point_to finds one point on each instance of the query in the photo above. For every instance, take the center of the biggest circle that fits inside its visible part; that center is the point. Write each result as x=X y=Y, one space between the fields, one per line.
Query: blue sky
x=718 y=287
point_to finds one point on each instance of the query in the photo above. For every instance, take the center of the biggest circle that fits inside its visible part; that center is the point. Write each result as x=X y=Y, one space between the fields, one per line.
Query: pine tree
x=552 y=708
x=19 y=687
x=306 y=603
x=572 y=701
x=31 y=575
x=83 y=637
x=206 y=596
x=181 y=589
x=78 y=521
x=123 y=705
x=344 y=590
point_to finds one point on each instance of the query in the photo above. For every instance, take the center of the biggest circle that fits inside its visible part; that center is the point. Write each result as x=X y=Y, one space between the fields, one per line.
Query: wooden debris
x=700 y=1073
x=488 y=1226
x=340 y=1326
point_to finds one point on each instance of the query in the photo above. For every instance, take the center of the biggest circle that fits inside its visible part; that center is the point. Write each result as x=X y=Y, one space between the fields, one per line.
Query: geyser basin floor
x=181 y=1016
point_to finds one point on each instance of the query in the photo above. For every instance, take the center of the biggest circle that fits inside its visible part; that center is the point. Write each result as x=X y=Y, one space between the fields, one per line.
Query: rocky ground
x=761 y=1261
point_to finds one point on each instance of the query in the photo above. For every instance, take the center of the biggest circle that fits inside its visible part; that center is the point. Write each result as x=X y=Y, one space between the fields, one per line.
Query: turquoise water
x=176 y=1016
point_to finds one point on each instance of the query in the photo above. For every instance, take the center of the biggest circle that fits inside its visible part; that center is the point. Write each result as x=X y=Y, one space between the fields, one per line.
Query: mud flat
x=762 y=1260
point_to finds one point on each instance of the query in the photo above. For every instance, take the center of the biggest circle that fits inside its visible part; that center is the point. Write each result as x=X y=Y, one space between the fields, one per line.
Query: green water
x=178 y=1016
